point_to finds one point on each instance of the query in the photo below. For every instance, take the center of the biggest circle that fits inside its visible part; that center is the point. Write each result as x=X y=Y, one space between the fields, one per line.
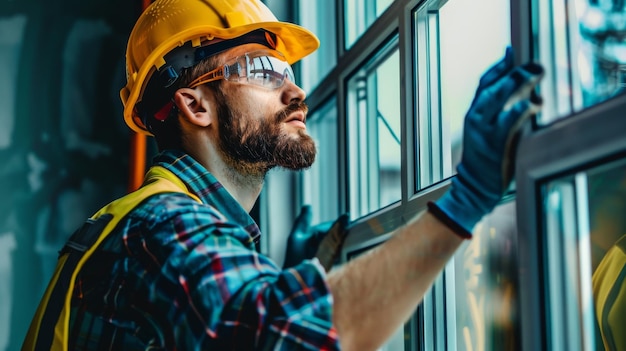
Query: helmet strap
x=259 y=36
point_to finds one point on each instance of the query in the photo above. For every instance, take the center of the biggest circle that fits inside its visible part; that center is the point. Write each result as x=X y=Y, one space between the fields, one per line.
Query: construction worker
x=177 y=269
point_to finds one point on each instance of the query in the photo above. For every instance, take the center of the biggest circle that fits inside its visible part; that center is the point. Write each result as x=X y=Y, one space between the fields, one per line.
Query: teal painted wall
x=63 y=143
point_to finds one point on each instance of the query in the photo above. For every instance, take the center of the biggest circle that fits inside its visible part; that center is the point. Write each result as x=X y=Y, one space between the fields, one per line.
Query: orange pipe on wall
x=137 y=159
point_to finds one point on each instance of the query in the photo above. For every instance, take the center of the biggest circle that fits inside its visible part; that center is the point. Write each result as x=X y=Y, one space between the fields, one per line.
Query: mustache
x=293 y=106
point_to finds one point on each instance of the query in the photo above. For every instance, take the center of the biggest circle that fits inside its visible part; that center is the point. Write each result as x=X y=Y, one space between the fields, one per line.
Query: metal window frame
x=593 y=136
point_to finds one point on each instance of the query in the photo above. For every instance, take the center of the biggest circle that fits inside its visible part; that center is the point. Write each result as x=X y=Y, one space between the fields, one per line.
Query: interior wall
x=63 y=142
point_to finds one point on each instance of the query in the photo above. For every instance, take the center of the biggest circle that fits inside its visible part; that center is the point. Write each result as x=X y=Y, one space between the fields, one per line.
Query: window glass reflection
x=585 y=232
x=607 y=206
x=374 y=133
x=359 y=15
x=449 y=65
x=486 y=286
x=321 y=181
x=583 y=50
x=602 y=64
x=319 y=17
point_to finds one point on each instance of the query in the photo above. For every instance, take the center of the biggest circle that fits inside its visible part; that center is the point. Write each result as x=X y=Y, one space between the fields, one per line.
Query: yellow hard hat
x=170 y=24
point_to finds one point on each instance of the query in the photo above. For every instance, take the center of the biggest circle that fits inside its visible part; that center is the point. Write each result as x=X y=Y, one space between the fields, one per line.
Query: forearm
x=377 y=292
x=374 y=294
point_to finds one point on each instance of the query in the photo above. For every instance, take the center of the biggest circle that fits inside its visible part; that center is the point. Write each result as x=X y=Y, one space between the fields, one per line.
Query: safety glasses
x=266 y=68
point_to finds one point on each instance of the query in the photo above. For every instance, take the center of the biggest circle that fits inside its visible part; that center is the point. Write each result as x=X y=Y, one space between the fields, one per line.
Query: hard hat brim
x=294 y=42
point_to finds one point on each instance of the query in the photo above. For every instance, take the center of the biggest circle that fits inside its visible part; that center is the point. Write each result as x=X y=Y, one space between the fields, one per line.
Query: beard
x=258 y=145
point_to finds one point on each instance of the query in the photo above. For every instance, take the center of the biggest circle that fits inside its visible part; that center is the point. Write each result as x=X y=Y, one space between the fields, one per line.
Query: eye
x=234 y=72
x=289 y=74
x=266 y=76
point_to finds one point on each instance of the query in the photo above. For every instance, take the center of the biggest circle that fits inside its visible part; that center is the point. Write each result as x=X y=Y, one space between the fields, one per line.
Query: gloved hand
x=505 y=98
x=323 y=240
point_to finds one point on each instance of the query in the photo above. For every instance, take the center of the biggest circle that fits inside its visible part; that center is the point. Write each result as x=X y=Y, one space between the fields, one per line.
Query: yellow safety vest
x=49 y=327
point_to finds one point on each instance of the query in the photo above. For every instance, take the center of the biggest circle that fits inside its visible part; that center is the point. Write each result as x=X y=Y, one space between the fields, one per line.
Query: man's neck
x=244 y=187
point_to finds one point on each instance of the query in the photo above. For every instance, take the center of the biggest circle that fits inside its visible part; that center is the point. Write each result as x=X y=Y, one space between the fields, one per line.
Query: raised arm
x=377 y=292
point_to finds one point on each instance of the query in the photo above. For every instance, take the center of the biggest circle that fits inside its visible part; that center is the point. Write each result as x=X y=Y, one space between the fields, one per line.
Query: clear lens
x=262 y=68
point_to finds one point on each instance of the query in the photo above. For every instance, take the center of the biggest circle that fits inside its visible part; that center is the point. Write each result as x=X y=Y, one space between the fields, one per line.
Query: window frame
x=533 y=165
x=602 y=141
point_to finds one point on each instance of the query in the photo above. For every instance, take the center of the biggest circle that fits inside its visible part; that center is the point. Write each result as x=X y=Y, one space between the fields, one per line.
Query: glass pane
x=486 y=306
x=449 y=65
x=374 y=133
x=607 y=226
x=586 y=254
x=319 y=17
x=583 y=48
x=359 y=15
x=321 y=186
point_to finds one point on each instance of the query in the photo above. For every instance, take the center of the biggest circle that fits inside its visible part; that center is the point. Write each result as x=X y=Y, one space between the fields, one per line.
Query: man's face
x=254 y=140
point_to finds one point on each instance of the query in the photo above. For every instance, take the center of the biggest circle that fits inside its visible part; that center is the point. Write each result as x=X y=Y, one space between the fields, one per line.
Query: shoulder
x=174 y=217
x=166 y=206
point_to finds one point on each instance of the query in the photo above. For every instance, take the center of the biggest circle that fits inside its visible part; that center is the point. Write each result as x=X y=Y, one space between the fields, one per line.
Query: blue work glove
x=505 y=98
x=323 y=240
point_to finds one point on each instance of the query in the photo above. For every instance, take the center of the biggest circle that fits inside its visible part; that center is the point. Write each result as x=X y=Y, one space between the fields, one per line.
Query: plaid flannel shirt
x=176 y=274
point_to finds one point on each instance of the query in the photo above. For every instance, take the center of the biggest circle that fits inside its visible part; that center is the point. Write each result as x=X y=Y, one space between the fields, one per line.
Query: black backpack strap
x=82 y=239
x=86 y=236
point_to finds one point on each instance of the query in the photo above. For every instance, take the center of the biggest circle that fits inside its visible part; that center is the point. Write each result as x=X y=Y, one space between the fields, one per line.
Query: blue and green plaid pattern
x=179 y=275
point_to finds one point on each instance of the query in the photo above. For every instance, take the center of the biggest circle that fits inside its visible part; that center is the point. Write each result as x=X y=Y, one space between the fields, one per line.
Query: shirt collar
x=204 y=185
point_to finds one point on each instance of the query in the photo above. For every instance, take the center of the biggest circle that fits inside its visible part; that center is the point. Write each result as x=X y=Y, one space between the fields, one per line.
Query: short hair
x=167 y=132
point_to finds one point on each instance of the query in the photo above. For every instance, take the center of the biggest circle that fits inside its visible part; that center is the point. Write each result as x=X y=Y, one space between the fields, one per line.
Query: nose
x=291 y=91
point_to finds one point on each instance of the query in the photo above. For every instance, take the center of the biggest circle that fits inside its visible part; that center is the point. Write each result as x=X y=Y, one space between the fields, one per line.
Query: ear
x=193 y=106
